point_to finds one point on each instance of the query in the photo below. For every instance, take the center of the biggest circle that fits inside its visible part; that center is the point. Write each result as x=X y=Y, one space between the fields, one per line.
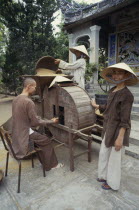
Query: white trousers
x=109 y=165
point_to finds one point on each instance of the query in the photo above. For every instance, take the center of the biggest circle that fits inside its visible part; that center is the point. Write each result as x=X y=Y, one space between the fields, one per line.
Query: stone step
x=136 y=100
x=90 y=91
x=134 y=88
x=135 y=108
x=134 y=141
x=134 y=134
x=91 y=94
x=132 y=150
x=136 y=94
x=135 y=116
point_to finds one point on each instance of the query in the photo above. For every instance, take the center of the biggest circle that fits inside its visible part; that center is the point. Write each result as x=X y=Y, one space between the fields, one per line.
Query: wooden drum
x=73 y=107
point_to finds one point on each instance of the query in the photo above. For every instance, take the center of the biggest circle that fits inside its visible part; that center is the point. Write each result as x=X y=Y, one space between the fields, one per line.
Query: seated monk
x=24 y=117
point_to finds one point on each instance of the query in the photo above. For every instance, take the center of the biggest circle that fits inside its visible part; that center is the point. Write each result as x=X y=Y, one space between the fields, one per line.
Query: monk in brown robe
x=117 y=124
x=24 y=118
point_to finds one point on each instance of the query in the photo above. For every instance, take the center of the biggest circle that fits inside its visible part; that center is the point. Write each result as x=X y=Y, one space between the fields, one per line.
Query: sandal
x=101 y=180
x=59 y=165
x=105 y=186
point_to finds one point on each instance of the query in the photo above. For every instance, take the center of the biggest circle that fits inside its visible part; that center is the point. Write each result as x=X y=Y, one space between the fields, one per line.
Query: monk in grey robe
x=77 y=68
x=24 y=118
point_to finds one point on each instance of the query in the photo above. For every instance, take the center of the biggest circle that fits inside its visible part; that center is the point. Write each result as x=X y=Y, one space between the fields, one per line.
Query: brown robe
x=24 y=117
x=116 y=114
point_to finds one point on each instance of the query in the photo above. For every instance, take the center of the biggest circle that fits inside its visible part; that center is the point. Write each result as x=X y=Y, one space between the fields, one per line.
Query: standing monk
x=24 y=118
x=78 y=67
x=117 y=124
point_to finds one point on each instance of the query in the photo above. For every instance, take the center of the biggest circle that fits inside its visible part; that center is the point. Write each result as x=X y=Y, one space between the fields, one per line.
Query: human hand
x=118 y=143
x=93 y=102
x=55 y=119
x=57 y=61
x=59 y=71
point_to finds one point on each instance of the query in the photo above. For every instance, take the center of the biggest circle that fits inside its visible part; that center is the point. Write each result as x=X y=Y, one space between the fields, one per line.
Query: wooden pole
x=71 y=152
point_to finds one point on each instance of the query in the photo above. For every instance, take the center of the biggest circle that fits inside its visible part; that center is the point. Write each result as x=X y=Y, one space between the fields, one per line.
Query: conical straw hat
x=46 y=72
x=133 y=80
x=80 y=48
x=59 y=79
x=46 y=67
x=46 y=62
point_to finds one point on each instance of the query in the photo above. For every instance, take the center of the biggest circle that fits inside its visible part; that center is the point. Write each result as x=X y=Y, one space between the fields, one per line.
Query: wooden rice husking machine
x=59 y=96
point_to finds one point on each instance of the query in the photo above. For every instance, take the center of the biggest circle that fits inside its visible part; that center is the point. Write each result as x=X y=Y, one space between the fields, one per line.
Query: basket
x=46 y=62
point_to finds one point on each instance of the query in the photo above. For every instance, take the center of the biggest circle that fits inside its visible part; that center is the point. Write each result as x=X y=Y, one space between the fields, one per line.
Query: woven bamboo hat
x=46 y=66
x=107 y=73
x=59 y=79
x=80 y=48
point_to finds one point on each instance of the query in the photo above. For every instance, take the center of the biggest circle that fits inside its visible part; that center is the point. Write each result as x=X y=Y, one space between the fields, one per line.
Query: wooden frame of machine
x=67 y=101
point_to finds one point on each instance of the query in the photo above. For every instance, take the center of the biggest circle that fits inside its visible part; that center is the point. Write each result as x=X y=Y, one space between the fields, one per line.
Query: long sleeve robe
x=77 y=70
x=23 y=118
x=116 y=114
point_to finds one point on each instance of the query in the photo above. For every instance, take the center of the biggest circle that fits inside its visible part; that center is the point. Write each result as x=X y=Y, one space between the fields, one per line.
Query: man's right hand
x=59 y=71
x=55 y=119
x=93 y=102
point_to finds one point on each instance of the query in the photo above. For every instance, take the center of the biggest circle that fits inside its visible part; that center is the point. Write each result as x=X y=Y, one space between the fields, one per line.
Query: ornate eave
x=75 y=14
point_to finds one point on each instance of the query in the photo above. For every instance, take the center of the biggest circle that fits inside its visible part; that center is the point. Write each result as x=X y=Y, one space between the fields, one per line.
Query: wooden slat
x=85 y=109
x=80 y=100
x=83 y=98
x=78 y=94
x=72 y=131
x=85 y=103
x=87 y=128
x=73 y=89
x=85 y=117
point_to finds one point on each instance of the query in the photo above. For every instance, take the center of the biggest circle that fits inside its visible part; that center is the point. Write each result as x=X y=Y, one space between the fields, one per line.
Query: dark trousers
x=47 y=154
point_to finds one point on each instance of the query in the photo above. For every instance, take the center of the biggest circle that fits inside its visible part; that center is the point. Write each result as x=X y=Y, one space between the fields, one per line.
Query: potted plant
x=89 y=74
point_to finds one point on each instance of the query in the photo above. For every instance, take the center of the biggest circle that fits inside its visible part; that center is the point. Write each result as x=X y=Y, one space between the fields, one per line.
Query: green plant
x=3 y=88
x=135 y=69
x=103 y=62
x=104 y=85
x=90 y=69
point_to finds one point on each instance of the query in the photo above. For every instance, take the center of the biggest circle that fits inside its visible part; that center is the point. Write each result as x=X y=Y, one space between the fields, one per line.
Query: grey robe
x=77 y=70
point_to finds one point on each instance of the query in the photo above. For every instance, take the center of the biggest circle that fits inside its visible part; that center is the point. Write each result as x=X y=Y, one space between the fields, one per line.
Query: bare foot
x=59 y=165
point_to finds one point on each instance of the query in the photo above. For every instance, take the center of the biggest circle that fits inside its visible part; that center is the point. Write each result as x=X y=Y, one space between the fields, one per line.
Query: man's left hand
x=118 y=144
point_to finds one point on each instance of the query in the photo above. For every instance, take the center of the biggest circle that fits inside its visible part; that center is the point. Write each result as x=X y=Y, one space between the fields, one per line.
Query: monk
x=78 y=67
x=117 y=124
x=24 y=137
